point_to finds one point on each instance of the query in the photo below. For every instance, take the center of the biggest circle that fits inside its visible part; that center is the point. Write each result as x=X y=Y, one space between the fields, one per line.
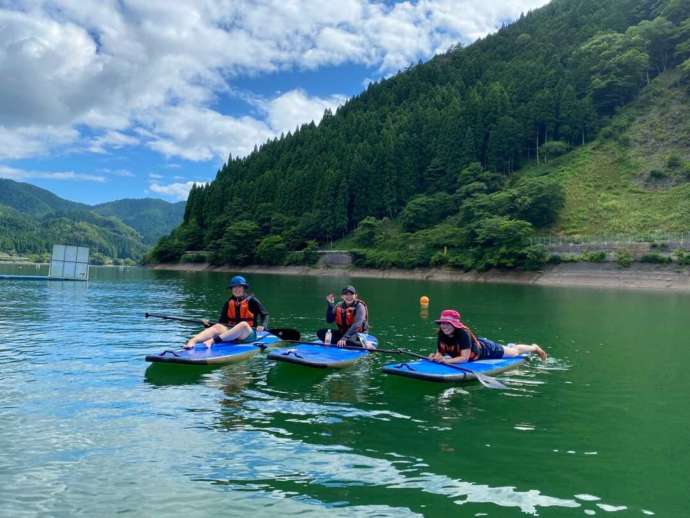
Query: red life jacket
x=345 y=316
x=238 y=311
x=475 y=348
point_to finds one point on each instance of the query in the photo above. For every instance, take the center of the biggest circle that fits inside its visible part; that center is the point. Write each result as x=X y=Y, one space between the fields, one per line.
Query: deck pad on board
x=320 y=355
x=225 y=352
x=432 y=371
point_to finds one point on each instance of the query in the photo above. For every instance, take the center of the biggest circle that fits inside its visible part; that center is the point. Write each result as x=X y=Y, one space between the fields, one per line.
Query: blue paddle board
x=432 y=371
x=317 y=354
x=225 y=352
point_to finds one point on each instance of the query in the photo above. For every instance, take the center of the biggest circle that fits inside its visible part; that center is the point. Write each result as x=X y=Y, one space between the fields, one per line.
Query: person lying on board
x=458 y=344
x=238 y=318
x=351 y=317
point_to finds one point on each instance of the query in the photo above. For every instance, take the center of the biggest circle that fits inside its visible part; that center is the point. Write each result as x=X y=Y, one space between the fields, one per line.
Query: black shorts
x=490 y=350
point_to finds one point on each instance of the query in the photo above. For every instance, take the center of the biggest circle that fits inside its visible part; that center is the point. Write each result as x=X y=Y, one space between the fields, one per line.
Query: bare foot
x=208 y=343
x=541 y=352
x=189 y=345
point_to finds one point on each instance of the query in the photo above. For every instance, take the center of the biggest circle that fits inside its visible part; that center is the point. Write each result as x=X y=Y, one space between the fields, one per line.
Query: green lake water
x=88 y=428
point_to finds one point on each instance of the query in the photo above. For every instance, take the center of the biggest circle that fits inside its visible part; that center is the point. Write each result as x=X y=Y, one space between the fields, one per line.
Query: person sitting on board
x=240 y=313
x=350 y=315
x=458 y=344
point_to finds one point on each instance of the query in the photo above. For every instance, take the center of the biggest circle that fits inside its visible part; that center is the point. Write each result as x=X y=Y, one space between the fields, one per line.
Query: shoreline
x=638 y=276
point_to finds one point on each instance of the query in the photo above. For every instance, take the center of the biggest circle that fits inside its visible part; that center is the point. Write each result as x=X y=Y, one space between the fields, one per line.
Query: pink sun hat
x=450 y=316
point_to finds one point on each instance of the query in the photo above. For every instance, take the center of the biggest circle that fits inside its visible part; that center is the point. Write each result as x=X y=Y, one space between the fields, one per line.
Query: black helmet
x=349 y=289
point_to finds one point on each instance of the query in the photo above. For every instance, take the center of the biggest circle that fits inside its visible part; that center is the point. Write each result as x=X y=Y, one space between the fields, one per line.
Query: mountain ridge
x=32 y=219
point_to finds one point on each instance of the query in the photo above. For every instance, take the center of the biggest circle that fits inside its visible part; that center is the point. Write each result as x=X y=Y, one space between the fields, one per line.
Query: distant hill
x=33 y=219
x=34 y=201
x=151 y=217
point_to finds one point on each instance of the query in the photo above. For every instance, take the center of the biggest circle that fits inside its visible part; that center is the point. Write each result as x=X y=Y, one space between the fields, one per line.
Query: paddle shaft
x=181 y=319
x=279 y=332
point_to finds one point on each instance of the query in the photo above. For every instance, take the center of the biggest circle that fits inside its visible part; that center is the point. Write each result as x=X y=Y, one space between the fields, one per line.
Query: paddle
x=280 y=332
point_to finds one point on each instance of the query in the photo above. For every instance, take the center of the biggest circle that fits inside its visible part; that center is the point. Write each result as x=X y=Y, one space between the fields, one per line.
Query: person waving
x=350 y=315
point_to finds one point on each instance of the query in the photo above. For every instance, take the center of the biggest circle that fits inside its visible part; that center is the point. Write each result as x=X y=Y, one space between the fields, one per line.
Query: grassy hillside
x=635 y=178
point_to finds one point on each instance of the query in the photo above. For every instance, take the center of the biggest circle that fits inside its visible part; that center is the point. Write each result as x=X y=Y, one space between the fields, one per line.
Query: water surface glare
x=90 y=429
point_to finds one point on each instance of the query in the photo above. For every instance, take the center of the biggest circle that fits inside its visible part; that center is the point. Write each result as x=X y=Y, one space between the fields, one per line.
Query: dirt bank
x=595 y=275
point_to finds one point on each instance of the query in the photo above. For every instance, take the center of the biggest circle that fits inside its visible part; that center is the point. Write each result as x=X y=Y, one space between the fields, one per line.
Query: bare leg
x=205 y=335
x=238 y=332
x=517 y=349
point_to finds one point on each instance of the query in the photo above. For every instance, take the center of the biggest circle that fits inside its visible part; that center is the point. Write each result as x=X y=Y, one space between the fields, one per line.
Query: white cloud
x=198 y=133
x=33 y=140
x=295 y=107
x=117 y=172
x=148 y=73
x=111 y=140
x=22 y=174
x=179 y=191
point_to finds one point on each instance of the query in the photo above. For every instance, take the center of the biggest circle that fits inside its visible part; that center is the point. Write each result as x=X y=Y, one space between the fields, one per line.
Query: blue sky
x=110 y=99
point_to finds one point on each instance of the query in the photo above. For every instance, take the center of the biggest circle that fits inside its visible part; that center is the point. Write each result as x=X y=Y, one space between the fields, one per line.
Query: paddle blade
x=490 y=382
x=286 y=333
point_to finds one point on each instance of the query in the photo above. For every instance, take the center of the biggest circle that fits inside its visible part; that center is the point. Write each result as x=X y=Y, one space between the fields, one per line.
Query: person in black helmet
x=240 y=319
x=350 y=315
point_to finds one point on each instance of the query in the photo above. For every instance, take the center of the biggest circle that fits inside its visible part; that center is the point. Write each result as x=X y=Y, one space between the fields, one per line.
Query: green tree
x=168 y=250
x=682 y=50
x=676 y=10
x=426 y=211
x=538 y=200
x=367 y=231
x=658 y=40
x=553 y=149
x=271 y=250
x=238 y=246
x=500 y=242
x=617 y=67
x=685 y=71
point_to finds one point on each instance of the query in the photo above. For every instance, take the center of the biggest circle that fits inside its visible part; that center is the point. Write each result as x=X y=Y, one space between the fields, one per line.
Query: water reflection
x=162 y=375
x=333 y=475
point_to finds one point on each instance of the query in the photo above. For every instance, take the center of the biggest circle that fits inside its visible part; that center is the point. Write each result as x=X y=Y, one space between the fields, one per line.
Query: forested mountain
x=34 y=201
x=432 y=157
x=33 y=219
x=151 y=217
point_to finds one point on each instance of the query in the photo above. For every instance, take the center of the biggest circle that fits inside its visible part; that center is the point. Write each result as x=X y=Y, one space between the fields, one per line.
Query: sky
x=109 y=99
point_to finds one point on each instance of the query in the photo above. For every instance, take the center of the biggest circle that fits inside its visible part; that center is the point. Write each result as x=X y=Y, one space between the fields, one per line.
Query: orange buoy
x=423 y=300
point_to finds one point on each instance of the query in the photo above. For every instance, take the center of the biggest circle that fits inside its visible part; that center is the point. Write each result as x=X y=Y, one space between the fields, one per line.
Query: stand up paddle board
x=432 y=371
x=224 y=352
x=320 y=355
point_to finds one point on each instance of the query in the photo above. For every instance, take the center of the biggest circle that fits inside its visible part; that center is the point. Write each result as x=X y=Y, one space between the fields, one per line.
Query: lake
x=90 y=429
